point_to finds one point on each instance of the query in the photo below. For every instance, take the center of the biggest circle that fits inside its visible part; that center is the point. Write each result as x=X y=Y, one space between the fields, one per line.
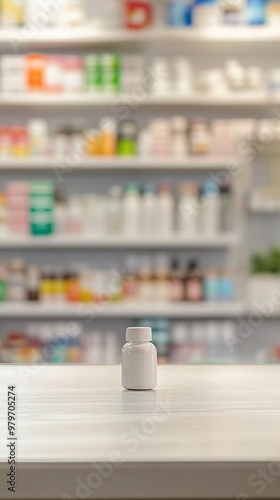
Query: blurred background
x=139 y=179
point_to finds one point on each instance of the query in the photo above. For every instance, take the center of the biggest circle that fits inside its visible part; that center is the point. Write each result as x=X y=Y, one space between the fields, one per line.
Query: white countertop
x=201 y=434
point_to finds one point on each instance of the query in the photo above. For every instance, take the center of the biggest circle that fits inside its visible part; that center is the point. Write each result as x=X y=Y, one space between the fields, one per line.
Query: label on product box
x=93 y=73
x=41 y=222
x=111 y=73
x=41 y=202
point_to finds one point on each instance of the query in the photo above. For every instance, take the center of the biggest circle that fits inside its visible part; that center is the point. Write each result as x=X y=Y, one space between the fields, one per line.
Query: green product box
x=93 y=73
x=111 y=73
x=41 y=222
x=41 y=201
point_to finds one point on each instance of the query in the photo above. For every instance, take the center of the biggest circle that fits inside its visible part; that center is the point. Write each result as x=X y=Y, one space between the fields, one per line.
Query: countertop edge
x=156 y=480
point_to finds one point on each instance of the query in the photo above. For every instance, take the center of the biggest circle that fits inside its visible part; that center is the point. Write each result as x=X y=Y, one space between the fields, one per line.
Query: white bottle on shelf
x=114 y=210
x=149 y=211
x=75 y=216
x=131 y=211
x=139 y=360
x=161 y=77
x=188 y=210
x=165 y=224
x=210 y=209
x=144 y=143
x=96 y=215
x=183 y=76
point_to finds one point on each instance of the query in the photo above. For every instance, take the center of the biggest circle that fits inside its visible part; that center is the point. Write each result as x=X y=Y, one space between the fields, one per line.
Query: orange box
x=35 y=72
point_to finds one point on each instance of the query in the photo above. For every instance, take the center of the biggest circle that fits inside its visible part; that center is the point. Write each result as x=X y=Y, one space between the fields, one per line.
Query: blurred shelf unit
x=89 y=35
x=116 y=163
x=216 y=241
x=86 y=99
x=17 y=41
x=128 y=310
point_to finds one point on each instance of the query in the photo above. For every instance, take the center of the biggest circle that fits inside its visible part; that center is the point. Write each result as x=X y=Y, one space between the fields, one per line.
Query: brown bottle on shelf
x=193 y=283
x=176 y=282
x=33 y=283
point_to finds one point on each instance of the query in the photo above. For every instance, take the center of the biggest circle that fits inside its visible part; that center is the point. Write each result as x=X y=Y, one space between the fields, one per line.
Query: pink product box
x=19 y=230
x=17 y=189
x=18 y=221
x=222 y=138
x=161 y=150
x=18 y=203
x=72 y=62
x=73 y=76
x=17 y=217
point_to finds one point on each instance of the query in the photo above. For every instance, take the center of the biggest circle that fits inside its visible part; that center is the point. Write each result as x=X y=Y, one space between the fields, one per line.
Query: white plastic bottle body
x=114 y=210
x=149 y=214
x=165 y=214
x=139 y=366
x=188 y=215
x=210 y=216
x=131 y=215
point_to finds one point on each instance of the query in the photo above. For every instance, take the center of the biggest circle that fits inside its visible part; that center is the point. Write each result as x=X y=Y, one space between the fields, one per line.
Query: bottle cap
x=211 y=189
x=139 y=334
x=189 y=188
x=116 y=191
x=192 y=264
x=174 y=263
x=149 y=189
x=127 y=128
x=132 y=187
x=164 y=187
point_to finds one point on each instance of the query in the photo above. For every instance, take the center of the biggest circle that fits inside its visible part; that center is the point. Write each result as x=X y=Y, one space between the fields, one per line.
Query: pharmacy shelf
x=122 y=310
x=92 y=35
x=246 y=99
x=264 y=208
x=124 y=163
x=48 y=242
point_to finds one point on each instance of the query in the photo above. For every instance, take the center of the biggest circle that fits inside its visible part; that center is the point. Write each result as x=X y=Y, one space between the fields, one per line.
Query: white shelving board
x=91 y=35
x=80 y=242
x=264 y=208
x=122 y=310
x=86 y=99
x=120 y=163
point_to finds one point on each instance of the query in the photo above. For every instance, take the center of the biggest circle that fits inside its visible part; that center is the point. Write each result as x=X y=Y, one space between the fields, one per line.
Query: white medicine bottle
x=139 y=360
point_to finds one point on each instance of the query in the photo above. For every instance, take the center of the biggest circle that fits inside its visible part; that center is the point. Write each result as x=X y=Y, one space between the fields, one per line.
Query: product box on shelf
x=41 y=208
